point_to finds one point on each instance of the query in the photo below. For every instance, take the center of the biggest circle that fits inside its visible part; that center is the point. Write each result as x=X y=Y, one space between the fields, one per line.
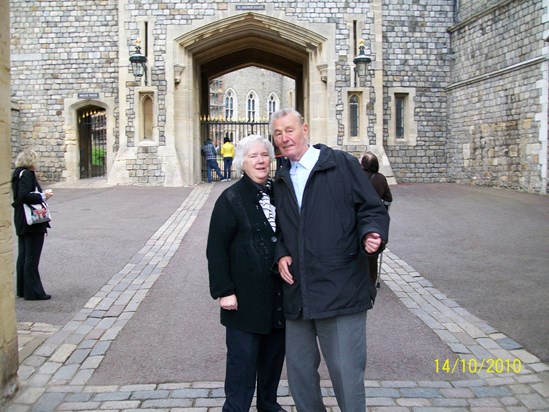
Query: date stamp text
x=475 y=366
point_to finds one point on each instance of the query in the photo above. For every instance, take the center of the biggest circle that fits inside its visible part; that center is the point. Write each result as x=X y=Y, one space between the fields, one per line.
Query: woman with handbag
x=27 y=191
x=240 y=251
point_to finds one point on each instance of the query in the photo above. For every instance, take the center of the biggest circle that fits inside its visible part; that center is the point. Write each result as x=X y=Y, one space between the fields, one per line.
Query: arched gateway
x=233 y=43
x=203 y=51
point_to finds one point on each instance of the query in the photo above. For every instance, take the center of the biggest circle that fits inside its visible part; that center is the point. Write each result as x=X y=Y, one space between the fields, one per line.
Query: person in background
x=279 y=158
x=243 y=277
x=30 y=238
x=330 y=219
x=227 y=151
x=210 y=155
x=370 y=165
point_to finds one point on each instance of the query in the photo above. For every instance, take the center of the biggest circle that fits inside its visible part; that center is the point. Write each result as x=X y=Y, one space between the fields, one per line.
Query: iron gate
x=217 y=130
x=92 y=131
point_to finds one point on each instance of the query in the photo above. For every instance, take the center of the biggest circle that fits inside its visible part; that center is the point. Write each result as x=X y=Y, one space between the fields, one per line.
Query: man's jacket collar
x=326 y=160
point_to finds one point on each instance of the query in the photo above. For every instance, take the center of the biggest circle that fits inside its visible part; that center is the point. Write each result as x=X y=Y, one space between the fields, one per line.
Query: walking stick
x=378 y=284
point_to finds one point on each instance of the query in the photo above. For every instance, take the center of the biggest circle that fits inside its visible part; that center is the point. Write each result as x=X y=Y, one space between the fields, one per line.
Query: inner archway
x=241 y=103
x=248 y=57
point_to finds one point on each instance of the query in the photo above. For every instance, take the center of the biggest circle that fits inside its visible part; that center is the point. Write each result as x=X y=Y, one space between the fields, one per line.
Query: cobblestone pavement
x=56 y=364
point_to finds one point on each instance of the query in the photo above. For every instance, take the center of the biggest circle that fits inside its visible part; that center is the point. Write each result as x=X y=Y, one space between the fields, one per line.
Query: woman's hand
x=284 y=269
x=228 y=302
x=48 y=193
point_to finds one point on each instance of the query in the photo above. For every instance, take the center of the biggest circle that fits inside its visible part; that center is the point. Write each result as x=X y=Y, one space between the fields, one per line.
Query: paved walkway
x=57 y=364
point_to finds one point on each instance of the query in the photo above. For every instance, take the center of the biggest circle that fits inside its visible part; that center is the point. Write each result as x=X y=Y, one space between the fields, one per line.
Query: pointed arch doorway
x=92 y=138
x=240 y=41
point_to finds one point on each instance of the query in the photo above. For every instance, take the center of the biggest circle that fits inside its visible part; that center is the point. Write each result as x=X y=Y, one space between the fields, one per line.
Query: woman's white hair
x=244 y=146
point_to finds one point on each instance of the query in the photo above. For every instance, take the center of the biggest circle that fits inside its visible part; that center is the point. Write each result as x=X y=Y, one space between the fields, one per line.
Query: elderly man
x=330 y=220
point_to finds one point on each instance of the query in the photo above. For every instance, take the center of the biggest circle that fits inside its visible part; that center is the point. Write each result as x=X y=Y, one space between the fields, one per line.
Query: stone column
x=9 y=360
x=379 y=149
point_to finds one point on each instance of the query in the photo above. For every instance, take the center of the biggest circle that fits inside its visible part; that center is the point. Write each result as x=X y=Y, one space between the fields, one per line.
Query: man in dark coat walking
x=330 y=220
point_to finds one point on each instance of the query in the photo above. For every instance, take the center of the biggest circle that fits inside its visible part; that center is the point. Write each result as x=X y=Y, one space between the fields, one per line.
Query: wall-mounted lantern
x=139 y=62
x=361 y=61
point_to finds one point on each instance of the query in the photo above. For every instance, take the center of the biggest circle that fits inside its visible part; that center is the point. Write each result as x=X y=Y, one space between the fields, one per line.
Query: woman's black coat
x=240 y=252
x=23 y=188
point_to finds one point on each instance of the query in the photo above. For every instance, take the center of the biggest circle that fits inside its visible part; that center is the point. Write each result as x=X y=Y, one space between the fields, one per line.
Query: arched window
x=147 y=117
x=272 y=104
x=229 y=105
x=354 y=111
x=251 y=111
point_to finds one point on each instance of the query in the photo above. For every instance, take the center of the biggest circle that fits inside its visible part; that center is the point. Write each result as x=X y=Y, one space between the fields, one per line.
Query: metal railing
x=218 y=129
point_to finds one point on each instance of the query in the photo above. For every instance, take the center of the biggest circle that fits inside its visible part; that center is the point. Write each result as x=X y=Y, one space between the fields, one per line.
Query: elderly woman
x=370 y=165
x=26 y=189
x=241 y=243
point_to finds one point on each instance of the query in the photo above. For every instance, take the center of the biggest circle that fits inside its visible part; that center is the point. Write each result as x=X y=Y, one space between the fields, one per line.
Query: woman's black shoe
x=45 y=297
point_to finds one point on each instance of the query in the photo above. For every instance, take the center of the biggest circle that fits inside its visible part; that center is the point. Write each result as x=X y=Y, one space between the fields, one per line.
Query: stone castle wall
x=477 y=102
x=58 y=49
x=416 y=56
x=468 y=8
x=496 y=98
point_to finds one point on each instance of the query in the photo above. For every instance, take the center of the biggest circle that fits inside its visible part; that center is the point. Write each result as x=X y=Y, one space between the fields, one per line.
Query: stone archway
x=267 y=41
x=92 y=140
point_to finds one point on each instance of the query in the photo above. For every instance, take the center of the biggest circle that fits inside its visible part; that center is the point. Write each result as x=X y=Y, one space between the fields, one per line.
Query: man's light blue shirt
x=300 y=171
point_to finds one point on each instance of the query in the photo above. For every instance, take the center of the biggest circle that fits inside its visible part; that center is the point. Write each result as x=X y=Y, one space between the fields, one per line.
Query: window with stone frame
x=356 y=121
x=273 y=104
x=400 y=102
x=229 y=105
x=354 y=115
x=402 y=125
x=146 y=118
x=251 y=105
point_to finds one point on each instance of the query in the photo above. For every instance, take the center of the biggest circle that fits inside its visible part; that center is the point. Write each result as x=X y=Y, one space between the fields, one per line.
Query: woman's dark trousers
x=252 y=357
x=29 y=284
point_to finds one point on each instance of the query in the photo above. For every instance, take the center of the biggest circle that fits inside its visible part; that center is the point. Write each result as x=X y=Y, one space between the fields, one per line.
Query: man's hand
x=228 y=302
x=371 y=242
x=284 y=269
